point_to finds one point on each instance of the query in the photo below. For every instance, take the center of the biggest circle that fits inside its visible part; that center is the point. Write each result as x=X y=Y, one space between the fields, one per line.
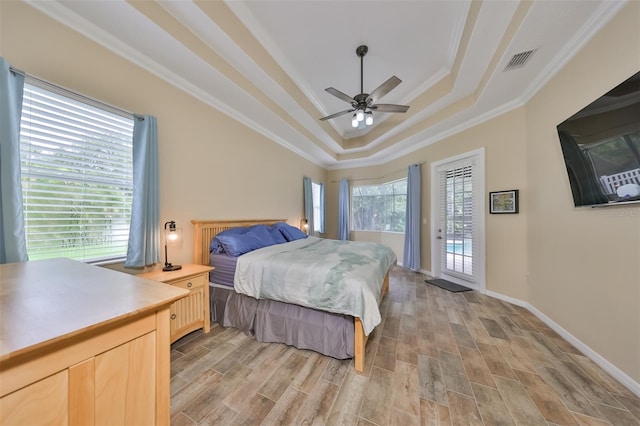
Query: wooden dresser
x=192 y=312
x=83 y=345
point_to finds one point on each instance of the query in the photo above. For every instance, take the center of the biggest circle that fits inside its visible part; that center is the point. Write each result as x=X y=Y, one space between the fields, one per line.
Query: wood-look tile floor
x=438 y=358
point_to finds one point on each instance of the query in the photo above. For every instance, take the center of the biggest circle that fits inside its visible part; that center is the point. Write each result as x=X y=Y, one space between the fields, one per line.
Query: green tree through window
x=379 y=207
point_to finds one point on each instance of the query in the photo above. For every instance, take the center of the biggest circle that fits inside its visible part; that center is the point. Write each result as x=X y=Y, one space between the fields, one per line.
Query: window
x=77 y=176
x=379 y=207
x=318 y=206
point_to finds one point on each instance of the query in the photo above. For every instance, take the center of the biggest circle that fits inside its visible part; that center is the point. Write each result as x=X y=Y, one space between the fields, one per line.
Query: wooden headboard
x=205 y=230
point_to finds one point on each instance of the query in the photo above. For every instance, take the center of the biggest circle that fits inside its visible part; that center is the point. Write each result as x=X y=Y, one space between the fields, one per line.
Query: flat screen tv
x=601 y=147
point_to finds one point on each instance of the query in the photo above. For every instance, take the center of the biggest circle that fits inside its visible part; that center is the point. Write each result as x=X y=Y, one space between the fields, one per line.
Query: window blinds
x=77 y=176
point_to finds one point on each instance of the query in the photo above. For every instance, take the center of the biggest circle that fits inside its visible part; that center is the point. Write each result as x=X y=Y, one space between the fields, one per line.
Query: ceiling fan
x=363 y=104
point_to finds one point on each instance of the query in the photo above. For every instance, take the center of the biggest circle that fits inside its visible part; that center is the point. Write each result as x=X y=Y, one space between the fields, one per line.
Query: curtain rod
x=380 y=177
x=105 y=105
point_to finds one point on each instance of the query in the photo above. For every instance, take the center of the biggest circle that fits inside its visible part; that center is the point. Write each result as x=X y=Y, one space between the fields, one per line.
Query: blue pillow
x=216 y=247
x=237 y=244
x=276 y=235
x=291 y=233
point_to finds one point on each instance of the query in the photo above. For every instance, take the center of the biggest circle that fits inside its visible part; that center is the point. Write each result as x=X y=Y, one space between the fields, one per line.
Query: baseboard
x=506 y=298
x=425 y=272
x=607 y=366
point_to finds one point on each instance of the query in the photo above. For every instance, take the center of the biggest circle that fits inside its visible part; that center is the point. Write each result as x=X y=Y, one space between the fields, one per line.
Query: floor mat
x=447 y=285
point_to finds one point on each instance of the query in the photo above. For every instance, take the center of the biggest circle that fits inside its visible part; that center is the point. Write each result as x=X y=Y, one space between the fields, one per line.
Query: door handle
x=439 y=237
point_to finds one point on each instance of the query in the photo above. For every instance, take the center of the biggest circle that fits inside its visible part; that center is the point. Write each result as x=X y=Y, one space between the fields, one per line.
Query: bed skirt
x=272 y=321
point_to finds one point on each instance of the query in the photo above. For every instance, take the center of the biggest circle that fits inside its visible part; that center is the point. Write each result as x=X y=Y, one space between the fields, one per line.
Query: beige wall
x=579 y=267
x=211 y=166
x=584 y=263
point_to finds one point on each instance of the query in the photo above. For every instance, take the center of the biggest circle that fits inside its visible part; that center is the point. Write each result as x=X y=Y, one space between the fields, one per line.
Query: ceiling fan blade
x=389 y=108
x=337 y=114
x=340 y=95
x=383 y=89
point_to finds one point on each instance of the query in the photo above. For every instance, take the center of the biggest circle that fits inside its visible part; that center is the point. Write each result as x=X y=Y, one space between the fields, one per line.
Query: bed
x=204 y=233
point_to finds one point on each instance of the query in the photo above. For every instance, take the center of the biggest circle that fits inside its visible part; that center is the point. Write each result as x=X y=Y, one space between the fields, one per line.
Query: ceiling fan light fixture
x=369 y=120
x=363 y=103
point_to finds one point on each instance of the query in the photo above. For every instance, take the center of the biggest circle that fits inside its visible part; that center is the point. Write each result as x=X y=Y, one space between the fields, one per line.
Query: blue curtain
x=308 y=202
x=144 y=234
x=343 y=210
x=13 y=242
x=411 y=258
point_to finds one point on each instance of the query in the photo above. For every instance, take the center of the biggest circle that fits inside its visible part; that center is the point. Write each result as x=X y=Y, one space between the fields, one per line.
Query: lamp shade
x=304 y=226
x=369 y=119
x=174 y=237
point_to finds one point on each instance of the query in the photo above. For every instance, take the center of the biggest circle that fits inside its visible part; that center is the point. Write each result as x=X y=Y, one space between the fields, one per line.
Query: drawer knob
x=173 y=316
x=189 y=285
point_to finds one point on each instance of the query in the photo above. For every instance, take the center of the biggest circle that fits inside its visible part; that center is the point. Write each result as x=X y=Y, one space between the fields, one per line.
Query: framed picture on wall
x=503 y=202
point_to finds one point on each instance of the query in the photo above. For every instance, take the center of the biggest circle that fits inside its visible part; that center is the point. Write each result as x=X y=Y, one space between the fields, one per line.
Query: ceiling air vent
x=519 y=60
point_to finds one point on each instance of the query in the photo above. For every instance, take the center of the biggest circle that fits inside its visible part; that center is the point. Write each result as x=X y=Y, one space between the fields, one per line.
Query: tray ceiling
x=267 y=63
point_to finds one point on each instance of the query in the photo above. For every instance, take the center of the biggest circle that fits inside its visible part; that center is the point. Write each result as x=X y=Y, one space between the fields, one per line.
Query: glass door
x=458 y=247
x=457 y=225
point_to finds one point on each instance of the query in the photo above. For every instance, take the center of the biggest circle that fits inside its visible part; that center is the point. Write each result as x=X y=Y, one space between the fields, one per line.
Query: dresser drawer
x=195 y=281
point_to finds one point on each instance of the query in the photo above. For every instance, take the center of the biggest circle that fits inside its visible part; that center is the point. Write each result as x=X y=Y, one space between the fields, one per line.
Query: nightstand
x=192 y=312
